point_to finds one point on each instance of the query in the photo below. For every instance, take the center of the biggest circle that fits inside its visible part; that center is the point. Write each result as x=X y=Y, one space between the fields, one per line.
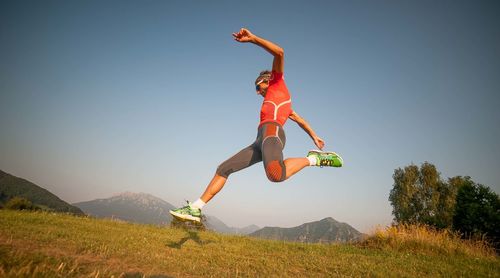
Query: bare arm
x=245 y=35
x=308 y=129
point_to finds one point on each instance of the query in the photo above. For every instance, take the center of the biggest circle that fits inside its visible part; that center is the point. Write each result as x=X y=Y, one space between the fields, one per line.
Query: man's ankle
x=312 y=160
x=199 y=204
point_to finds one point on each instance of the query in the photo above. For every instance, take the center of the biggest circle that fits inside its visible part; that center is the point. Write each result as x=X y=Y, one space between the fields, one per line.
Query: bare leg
x=294 y=165
x=213 y=188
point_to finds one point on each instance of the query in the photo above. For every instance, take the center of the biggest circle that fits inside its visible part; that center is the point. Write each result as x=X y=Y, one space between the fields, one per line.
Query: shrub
x=19 y=203
x=424 y=239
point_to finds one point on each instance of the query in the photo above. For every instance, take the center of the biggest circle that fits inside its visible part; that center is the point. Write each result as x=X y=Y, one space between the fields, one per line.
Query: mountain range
x=324 y=231
x=132 y=207
x=213 y=223
x=148 y=209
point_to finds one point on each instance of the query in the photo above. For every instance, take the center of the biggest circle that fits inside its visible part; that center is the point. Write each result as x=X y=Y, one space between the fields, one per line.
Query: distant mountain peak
x=129 y=206
x=133 y=195
x=325 y=230
x=142 y=199
x=329 y=219
x=148 y=209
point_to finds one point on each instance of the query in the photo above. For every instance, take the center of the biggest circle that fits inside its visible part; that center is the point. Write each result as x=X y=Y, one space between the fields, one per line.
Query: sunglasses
x=257 y=86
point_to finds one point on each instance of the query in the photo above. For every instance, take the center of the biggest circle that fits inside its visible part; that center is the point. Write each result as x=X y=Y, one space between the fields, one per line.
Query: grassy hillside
x=59 y=245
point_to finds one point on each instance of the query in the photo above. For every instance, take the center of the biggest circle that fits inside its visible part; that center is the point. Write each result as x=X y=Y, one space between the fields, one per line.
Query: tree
x=429 y=192
x=421 y=196
x=447 y=200
x=403 y=196
x=477 y=211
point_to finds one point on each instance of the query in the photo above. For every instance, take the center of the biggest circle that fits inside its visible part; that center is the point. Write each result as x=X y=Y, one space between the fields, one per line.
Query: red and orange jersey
x=277 y=105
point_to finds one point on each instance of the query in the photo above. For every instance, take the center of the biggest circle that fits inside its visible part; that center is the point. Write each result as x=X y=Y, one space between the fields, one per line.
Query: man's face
x=261 y=88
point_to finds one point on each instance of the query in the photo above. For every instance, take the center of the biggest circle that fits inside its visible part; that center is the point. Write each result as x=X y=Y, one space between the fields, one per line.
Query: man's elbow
x=280 y=52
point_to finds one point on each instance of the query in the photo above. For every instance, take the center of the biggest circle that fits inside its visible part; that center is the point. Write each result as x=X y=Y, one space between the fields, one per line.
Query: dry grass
x=426 y=240
x=38 y=244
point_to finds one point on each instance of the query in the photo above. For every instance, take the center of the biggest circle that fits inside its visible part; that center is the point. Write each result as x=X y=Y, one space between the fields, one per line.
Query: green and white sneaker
x=326 y=158
x=187 y=213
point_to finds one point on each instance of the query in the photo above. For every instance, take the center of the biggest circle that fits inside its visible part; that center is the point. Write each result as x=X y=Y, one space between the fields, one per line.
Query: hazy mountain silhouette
x=12 y=186
x=213 y=223
x=132 y=207
x=148 y=209
x=324 y=231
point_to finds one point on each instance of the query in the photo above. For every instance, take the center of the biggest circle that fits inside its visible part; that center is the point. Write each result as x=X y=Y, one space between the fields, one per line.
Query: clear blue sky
x=102 y=97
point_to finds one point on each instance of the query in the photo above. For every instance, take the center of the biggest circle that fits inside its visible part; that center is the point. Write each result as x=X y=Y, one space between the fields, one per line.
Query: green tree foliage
x=419 y=195
x=447 y=201
x=18 y=203
x=477 y=211
x=403 y=195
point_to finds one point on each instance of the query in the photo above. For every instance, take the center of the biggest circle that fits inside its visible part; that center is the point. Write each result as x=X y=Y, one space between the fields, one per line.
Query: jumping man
x=268 y=147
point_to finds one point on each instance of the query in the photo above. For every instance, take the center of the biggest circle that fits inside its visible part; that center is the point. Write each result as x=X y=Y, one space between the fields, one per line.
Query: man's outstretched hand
x=243 y=35
x=319 y=142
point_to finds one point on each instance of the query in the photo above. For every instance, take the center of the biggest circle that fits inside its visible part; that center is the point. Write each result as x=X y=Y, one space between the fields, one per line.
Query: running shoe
x=187 y=213
x=326 y=158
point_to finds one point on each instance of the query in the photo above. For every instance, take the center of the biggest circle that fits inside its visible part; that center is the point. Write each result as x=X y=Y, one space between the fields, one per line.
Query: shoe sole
x=333 y=153
x=185 y=216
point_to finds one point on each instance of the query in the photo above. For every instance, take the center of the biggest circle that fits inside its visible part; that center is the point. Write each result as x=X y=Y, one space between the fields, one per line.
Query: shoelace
x=185 y=208
x=188 y=207
x=325 y=161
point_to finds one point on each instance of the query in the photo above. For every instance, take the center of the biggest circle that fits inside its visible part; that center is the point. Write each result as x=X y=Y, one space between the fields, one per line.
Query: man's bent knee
x=275 y=171
x=223 y=170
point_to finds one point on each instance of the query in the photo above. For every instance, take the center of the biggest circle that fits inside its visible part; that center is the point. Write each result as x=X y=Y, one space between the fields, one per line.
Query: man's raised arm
x=245 y=35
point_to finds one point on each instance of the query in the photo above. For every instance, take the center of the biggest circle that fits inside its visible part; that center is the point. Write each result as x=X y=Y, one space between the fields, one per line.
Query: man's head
x=262 y=82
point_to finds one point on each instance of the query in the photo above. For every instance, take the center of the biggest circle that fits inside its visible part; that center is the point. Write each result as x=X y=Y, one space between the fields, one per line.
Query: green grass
x=56 y=245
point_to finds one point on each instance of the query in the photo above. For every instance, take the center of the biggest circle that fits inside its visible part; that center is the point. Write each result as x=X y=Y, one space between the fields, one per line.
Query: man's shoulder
x=275 y=76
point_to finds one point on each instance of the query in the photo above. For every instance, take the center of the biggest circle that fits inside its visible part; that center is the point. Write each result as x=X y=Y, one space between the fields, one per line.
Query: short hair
x=264 y=76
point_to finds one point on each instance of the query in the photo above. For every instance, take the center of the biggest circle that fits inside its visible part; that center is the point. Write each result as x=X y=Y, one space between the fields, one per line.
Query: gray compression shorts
x=268 y=147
